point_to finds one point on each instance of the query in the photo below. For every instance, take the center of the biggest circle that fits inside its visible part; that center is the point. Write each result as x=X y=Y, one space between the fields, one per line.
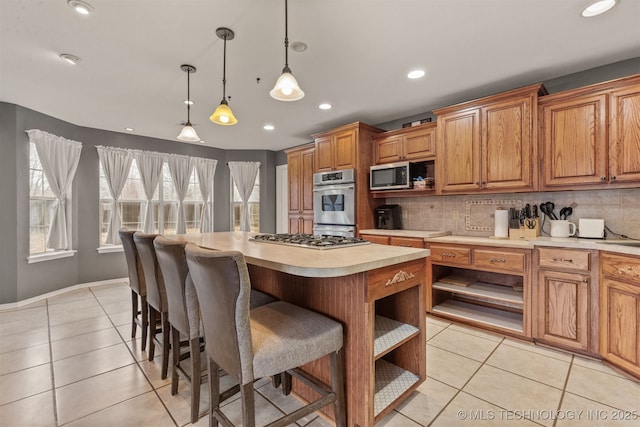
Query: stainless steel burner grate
x=310 y=240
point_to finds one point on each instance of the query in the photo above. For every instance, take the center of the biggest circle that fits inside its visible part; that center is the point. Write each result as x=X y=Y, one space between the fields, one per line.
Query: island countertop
x=306 y=262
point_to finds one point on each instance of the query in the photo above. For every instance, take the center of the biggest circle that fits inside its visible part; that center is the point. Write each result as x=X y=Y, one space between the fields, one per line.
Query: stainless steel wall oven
x=334 y=203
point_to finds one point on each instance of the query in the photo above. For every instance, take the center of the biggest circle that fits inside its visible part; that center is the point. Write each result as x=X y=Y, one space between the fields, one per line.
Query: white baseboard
x=18 y=304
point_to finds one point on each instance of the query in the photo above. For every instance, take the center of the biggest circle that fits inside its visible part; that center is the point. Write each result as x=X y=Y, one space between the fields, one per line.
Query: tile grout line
x=53 y=378
x=564 y=390
x=136 y=362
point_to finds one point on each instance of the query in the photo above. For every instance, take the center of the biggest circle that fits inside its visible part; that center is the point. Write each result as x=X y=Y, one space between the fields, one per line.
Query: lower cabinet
x=620 y=311
x=301 y=224
x=409 y=242
x=566 y=297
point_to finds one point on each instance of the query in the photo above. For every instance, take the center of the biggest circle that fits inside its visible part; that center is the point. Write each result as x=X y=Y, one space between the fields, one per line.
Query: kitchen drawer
x=450 y=254
x=623 y=268
x=410 y=242
x=508 y=261
x=390 y=280
x=569 y=259
x=374 y=238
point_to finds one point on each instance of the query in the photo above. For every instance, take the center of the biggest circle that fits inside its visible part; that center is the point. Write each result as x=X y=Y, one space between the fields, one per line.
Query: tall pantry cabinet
x=301 y=164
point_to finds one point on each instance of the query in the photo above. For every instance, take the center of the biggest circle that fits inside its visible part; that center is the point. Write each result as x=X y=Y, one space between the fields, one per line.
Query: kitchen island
x=375 y=291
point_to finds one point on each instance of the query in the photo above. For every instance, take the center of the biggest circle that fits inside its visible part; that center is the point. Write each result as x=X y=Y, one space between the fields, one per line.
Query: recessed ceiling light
x=597 y=8
x=415 y=74
x=81 y=7
x=325 y=106
x=298 y=46
x=268 y=127
x=129 y=129
x=71 y=59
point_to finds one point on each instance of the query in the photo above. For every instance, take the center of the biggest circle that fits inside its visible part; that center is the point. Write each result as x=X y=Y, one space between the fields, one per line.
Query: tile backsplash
x=472 y=215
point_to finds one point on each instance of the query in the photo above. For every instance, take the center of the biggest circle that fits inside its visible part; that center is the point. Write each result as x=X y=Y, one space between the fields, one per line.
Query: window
x=164 y=204
x=254 y=207
x=40 y=200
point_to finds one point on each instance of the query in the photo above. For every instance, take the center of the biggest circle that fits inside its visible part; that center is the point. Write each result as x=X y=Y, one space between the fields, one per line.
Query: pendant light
x=286 y=88
x=188 y=133
x=223 y=114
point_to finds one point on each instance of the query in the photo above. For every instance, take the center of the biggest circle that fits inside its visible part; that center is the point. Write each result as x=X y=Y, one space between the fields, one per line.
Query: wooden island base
x=383 y=315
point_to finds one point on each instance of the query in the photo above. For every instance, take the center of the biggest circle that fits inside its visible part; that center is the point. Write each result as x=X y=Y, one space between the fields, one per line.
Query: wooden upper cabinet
x=417 y=143
x=336 y=151
x=573 y=139
x=488 y=145
x=624 y=134
x=590 y=136
x=459 y=151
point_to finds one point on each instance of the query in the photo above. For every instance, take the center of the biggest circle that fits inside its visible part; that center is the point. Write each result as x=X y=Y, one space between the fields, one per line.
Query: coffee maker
x=388 y=217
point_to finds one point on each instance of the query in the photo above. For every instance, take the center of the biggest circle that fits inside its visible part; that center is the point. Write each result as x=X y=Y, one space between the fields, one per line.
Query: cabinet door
x=294 y=172
x=306 y=187
x=624 y=135
x=459 y=151
x=324 y=154
x=563 y=309
x=419 y=145
x=388 y=150
x=306 y=224
x=620 y=327
x=574 y=142
x=345 y=149
x=409 y=242
x=295 y=224
x=507 y=145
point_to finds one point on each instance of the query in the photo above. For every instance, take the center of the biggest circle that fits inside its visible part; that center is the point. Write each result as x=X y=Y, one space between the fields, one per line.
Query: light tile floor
x=69 y=361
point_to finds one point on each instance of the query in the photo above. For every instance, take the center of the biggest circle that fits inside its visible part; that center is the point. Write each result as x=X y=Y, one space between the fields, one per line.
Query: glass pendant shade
x=188 y=133
x=223 y=115
x=286 y=88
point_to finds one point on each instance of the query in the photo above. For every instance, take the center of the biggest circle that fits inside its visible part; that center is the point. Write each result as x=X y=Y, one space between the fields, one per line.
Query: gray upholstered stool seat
x=285 y=335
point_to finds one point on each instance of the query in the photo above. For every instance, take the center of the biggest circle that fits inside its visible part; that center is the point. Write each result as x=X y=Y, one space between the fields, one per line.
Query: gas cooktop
x=310 y=240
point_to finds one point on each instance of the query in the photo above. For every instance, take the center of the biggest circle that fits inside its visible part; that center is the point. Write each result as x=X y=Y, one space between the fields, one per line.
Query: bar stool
x=251 y=344
x=139 y=317
x=156 y=298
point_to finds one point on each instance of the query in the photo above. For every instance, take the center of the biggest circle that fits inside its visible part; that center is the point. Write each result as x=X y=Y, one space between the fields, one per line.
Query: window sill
x=50 y=256
x=110 y=249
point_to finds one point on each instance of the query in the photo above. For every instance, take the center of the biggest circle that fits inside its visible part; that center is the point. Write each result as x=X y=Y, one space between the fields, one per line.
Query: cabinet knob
x=613 y=178
x=602 y=178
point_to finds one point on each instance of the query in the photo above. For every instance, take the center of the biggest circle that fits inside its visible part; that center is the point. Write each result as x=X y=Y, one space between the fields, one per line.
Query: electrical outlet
x=456 y=214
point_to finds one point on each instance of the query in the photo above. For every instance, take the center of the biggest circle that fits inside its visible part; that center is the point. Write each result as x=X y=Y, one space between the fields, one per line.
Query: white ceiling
x=359 y=52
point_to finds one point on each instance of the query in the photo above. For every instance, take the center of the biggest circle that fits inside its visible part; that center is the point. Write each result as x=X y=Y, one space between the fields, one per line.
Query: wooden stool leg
x=175 y=352
x=214 y=392
x=166 y=345
x=144 y=309
x=134 y=312
x=152 y=332
x=248 y=405
x=336 y=362
x=194 y=353
x=286 y=383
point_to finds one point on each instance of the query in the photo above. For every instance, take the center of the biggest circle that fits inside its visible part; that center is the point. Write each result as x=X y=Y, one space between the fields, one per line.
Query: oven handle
x=335 y=187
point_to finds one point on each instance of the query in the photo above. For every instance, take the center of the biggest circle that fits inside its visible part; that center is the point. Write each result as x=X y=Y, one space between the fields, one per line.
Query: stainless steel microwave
x=392 y=176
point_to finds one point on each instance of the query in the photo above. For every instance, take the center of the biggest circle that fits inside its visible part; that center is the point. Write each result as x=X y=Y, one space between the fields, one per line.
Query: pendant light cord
x=188 y=98
x=224 y=69
x=286 y=68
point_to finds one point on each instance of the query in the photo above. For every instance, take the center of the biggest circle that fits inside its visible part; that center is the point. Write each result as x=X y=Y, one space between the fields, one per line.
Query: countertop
x=302 y=261
x=425 y=234
x=568 y=242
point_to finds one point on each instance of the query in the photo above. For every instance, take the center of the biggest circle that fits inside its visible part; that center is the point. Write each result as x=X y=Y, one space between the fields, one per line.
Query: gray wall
x=20 y=280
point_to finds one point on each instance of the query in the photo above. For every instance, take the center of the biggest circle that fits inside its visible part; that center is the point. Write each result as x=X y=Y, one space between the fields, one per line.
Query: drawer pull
x=498 y=260
x=448 y=255
x=400 y=276
x=562 y=260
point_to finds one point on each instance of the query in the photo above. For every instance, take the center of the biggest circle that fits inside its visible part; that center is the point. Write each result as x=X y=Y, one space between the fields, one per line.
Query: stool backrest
x=221 y=279
x=184 y=311
x=134 y=266
x=156 y=293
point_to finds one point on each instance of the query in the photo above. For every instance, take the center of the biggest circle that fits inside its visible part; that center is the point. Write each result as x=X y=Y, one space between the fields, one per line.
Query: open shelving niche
x=391 y=381
x=482 y=301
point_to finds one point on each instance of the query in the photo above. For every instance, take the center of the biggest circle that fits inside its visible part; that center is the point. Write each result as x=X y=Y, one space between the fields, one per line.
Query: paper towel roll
x=501 y=227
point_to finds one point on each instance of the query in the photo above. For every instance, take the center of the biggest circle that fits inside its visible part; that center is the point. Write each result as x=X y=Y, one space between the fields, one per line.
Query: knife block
x=532 y=233
x=516 y=233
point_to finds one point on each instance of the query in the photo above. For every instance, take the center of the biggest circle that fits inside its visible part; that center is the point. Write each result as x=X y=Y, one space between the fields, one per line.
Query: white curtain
x=180 y=168
x=116 y=163
x=150 y=167
x=59 y=158
x=206 y=170
x=244 y=176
